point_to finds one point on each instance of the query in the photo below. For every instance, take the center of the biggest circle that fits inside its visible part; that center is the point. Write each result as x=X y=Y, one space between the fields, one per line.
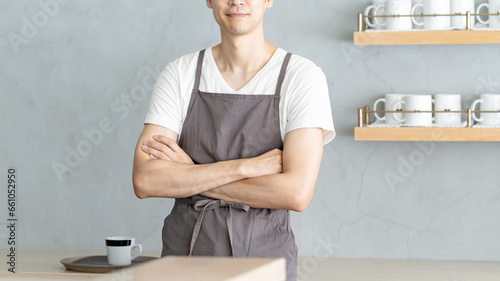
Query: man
x=252 y=120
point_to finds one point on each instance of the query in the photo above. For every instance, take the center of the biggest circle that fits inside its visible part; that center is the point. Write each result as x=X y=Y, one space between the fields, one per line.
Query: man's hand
x=165 y=148
x=265 y=164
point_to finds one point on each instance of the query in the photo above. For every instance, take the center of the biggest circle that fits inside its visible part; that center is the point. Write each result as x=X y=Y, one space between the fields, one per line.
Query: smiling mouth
x=236 y=15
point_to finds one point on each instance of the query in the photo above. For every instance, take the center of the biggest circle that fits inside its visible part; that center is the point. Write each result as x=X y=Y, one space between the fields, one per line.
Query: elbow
x=144 y=188
x=140 y=185
x=141 y=194
x=300 y=205
x=300 y=199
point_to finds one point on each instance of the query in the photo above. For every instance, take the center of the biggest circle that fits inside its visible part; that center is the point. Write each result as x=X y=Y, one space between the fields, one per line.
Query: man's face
x=239 y=17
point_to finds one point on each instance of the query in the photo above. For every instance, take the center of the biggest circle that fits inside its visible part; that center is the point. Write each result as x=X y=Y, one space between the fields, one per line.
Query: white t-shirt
x=304 y=98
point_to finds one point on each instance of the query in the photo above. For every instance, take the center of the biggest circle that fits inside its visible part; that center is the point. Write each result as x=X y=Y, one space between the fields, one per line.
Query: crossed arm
x=292 y=189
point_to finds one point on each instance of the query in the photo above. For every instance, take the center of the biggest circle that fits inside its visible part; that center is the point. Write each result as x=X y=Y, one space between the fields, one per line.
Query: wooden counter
x=345 y=269
x=44 y=265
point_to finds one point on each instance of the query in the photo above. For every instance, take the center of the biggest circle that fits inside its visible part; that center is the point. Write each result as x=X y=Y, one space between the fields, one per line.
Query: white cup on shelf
x=390 y=101
x=397 y=7
x=462 y=7
x=377 y=9
x=447 y=102
x=489 y=102
x=493 y=8
x=416 y=103
x=418 y=11
x=437 y=7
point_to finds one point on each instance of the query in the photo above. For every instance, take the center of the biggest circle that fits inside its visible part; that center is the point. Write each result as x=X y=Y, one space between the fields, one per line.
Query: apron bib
x=221 y=127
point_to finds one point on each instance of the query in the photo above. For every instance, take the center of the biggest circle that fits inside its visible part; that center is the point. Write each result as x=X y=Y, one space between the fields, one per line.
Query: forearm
x=163 y=178
x=277 y=191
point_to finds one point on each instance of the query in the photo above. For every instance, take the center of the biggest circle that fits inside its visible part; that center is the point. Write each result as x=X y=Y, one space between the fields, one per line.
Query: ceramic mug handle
x=473 y=106
x=136 y=246
x=400 y=102
x=376 y=12
x=375 y=108
x=479 y=17
x=433 y=117
x=366 y=13
x=413 y=13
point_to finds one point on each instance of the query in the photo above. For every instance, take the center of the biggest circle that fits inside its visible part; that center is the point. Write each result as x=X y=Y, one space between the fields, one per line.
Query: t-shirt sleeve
x=309 y=104
x=165 y=105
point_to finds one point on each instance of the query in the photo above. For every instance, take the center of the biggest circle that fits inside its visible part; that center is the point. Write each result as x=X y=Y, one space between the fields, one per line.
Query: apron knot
x=211 y=204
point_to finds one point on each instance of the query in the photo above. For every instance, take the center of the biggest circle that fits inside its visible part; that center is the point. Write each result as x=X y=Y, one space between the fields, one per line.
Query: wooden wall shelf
x=427 y=37
x=468 y=133
x=426 y=134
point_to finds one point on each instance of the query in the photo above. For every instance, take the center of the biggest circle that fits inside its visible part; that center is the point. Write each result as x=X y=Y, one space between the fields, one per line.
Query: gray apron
x=221 y=127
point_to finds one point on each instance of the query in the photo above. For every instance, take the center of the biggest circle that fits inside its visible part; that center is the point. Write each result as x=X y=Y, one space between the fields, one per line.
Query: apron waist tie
x=211 y=204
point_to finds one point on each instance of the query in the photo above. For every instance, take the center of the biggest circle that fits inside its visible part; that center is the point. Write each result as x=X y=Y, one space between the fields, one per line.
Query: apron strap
x=198 y=70
x=210 y=204
x=281 y=78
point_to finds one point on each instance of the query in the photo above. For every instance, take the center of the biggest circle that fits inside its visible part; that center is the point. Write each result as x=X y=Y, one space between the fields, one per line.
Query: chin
x=237 y=30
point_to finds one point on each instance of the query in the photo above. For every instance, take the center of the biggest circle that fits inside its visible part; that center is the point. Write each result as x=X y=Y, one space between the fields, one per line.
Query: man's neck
x=243 y=54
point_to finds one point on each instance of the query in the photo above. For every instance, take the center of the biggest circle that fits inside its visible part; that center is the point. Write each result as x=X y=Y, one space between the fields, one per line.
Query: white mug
x=390 y=101
x=418 y=11
x=431 y=7
x=119 y=250
x=489 y=102
x=397 y=7
x=378 y=8
x=462 y=7
x=493 y=8
x=447 y=102
x=416 y=103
